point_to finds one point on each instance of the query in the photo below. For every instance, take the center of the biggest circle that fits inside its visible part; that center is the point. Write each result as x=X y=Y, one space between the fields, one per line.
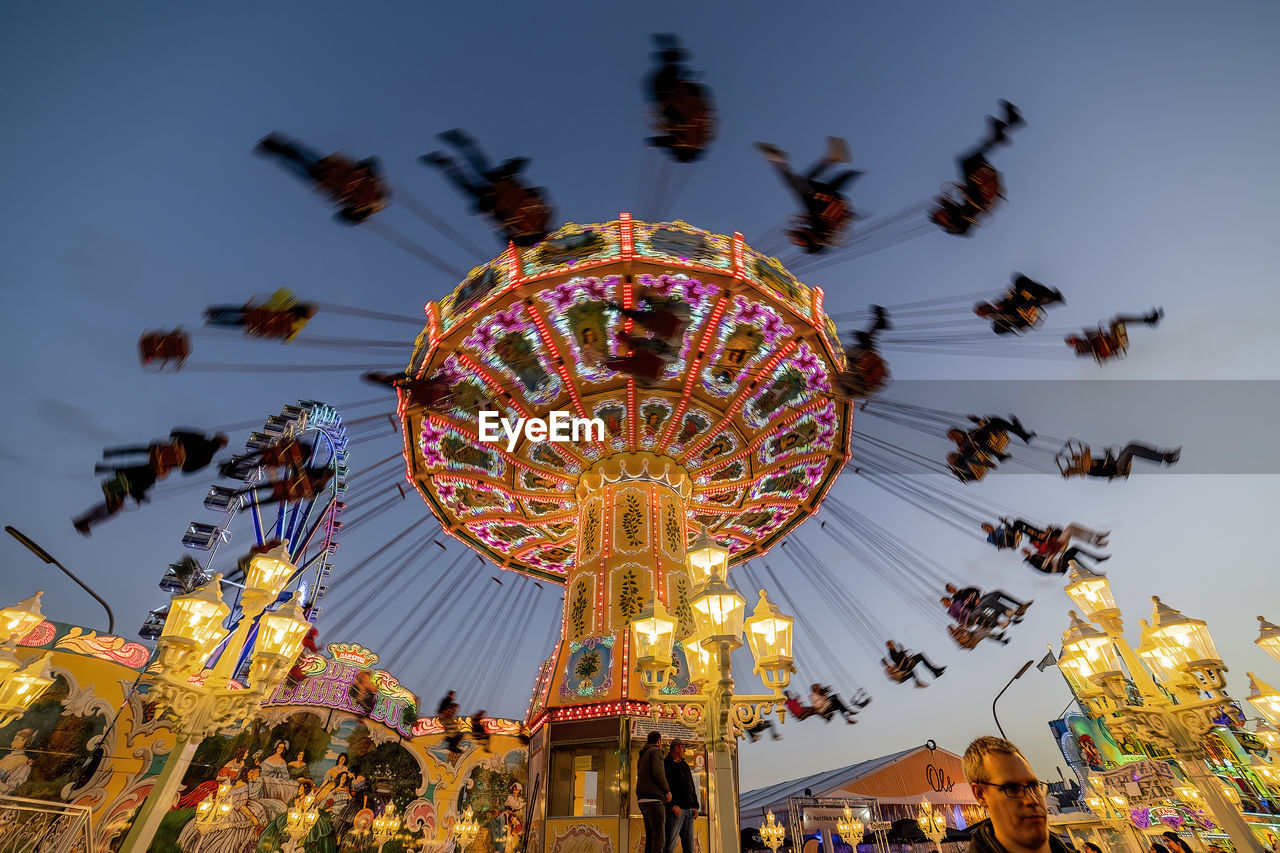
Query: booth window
x=585 y=781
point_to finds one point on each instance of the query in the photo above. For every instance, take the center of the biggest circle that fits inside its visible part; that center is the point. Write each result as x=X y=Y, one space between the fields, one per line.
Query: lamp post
x=933 y=822
x=20 y=685
x=213 y=811
x=1268 y=638
x=466 y=830
x=850 y=828
x=718 y=612
x=385 y=825
x=299 y=821
x=204 y=701
x=1179 y=650
x=773 y=833
x=31 y=546
x=1265 y=699
x=17 y=620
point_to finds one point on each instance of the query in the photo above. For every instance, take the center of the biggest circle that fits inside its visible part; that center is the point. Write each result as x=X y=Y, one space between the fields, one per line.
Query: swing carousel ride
x=716 y=392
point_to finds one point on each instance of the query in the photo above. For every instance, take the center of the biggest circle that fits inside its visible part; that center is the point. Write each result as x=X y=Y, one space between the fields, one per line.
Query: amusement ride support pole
x=160 y=799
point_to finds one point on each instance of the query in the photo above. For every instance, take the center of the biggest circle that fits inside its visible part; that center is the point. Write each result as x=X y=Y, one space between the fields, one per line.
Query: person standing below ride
x=682 y=807
x=653 y=793
x=1003 y=781
x=982 y=185
x=905 y=663
x=826 y=211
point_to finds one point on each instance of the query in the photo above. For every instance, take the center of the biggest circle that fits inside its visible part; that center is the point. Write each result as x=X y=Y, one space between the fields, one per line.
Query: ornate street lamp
x=280 y=636
x=386 y=825
x=717 y=612
x=1265 y=698
x=1268 y=638
x=707 y=557
x=21 y=687
x=703 y=665
x=653 y=633
x=191 y=630
x=466 y=830
x=204 y=701
x=212 y=811
x=1186 y=642
x=1180 y=651
x=769 y=636
x=300 y=820
x=17 y=620
x=933 y=822
x=772 y=833
x=1090 y=656
x=1091 y=592
x=721 y=714
x=850 y=828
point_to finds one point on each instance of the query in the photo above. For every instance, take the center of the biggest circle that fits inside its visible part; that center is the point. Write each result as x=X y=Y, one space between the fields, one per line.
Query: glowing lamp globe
x=718 y=610
x=1268 y=638
x=1265 y=698
x=270 y=570
x=1089 y=649
x=24 y=686
x=769 y=636
x=1268 y=734
x=772 y=833
x=707 y=557
x=1163 y=663
x=1075 y=668
x=703 y=666
x=850 y=828
x=194 y=623
x=17 y=620
x=8 y=658
x=280 y=636
x=1090 y=591
x=1188 y=642
x=654 y=634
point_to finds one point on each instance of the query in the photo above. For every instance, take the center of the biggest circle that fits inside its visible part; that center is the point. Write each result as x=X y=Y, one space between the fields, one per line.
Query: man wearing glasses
x=1003 y=781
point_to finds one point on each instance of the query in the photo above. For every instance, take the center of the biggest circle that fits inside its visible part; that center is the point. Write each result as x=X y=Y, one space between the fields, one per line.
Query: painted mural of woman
x=342 y=766
x=299 y=768
x=335 y=798
x=321 y=838
x=276 y=780
x=239 y=831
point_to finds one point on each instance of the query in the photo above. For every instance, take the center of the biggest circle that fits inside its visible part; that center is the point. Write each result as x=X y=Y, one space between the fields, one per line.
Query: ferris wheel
x=309 y=524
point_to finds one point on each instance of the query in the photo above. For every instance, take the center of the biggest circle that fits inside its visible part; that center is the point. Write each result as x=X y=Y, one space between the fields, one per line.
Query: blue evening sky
x=1147 y=175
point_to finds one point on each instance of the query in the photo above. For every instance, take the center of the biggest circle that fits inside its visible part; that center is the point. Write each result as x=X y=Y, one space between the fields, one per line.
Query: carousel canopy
x=744 y=406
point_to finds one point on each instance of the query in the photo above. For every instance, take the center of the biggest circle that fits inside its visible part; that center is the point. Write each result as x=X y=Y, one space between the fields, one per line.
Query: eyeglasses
x=1017 y=790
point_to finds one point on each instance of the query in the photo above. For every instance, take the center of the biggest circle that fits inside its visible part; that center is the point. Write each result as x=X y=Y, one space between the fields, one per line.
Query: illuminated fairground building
x=740 y=434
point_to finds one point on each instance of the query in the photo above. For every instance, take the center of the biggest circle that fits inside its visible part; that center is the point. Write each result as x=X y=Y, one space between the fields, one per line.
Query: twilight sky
x=1146 y=175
